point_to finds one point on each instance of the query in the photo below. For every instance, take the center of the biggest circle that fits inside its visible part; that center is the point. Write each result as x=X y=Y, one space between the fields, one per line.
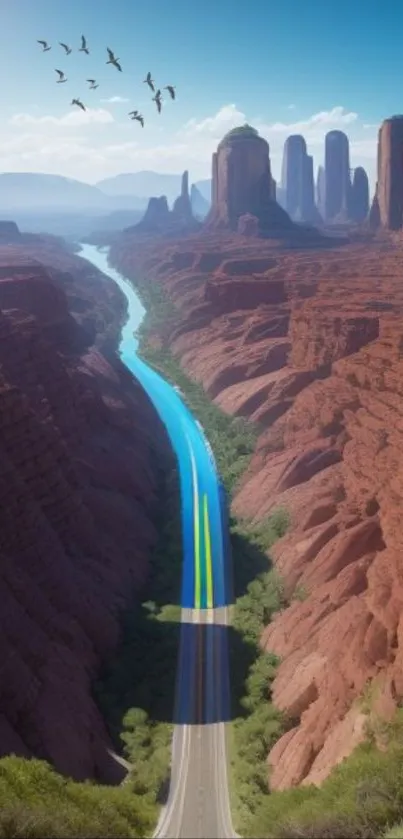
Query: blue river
x=206 y=575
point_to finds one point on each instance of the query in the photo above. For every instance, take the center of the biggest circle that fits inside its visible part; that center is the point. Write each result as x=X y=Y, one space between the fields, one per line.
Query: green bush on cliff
x=37 y=803
x=363 y=798
x=232 y=439
x=257 y=723
x=136 y=687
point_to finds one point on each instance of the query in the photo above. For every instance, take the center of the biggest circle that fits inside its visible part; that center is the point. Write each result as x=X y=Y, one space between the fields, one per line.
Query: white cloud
x=291 y=107
x=113 y=100
x=337 y=117
x=226 y=118
x=72 y=118
x=74 y=145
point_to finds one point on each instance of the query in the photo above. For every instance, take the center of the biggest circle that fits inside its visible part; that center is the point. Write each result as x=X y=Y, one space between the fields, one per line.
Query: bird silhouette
x=84 y=47
x=65 y=47
x=136 y=115
x=170 y=88
x=45 y=46
x=157 y=100
x=92 y=83
x=62 y=77
x=78 y=103
x=113 y=60
x=148 y=80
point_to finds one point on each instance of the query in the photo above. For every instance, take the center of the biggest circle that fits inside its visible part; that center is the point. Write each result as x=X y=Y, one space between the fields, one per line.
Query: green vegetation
x=136 y=688
x=242 y=131
x=257 y=723
x=232 y=439
x=363 y=798
x=37 y=803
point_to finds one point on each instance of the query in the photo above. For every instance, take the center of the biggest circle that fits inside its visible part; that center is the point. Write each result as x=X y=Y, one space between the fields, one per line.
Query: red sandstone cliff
x=79 y=451
x=310 y=345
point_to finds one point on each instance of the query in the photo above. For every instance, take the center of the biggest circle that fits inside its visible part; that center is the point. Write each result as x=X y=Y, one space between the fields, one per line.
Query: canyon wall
x=81 y=451
x=309 y=345
x=387 y=206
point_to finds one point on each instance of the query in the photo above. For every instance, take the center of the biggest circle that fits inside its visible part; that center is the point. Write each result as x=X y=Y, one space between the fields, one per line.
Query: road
x=198 y=801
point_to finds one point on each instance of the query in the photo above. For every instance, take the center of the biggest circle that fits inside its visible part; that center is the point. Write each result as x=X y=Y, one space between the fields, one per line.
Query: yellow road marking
x=197 y=543
x=207 y=540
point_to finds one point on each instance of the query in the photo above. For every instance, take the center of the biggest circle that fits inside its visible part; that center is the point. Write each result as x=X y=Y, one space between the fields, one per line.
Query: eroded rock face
x=79 y=445
x=242 y=183
x=309 y=345
x=387 y=211
x=160 y=220
x=337 y=176
x=182 y=208
x=359 y=196
x=248 y=225
x=156 y=217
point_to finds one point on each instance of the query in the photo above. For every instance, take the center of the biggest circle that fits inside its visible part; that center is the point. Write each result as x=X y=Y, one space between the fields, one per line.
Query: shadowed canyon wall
x=80 y=456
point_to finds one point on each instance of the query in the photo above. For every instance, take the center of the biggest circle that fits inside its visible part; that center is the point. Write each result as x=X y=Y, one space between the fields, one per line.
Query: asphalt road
x=198 y=800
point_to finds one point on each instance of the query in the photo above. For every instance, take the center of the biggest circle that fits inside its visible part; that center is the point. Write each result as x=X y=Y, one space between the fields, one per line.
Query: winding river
x=198 y=802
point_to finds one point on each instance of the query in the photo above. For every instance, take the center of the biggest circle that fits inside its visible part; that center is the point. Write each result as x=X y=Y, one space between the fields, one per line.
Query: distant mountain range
x=52 y=203
x=150 y=184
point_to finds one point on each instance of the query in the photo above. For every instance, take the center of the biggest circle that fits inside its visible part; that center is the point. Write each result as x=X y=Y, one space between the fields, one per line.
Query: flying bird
x=157 y=100
x=45 y=46
x=62 y=77
x=78 y=103
x=92 y=83
x=136 y=115
x=148 y=80
x=170 y=88
x=65 y=47
x=84 y=47
x=113 y=60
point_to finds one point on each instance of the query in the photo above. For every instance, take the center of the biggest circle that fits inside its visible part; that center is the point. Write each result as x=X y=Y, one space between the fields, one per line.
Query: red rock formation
x=309 y=344
x=242 y=183
x=156 y=217
x=182 y=208
x=387 y=209
x=79 y=452
x=248 y=225
x=159 y=219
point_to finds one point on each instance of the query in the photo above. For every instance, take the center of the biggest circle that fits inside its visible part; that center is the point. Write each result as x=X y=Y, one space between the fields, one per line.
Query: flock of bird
x=115 y=62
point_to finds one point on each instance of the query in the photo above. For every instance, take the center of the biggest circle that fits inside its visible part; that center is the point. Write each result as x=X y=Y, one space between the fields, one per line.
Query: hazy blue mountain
x=149 y=184
x=37 y=192
x=200 y=206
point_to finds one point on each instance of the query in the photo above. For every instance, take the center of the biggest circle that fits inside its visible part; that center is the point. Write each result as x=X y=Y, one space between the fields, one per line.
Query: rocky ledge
x=309 y=345
x=79 y=451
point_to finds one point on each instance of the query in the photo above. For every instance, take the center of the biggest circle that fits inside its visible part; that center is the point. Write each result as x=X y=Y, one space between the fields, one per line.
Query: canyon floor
x=308 y=344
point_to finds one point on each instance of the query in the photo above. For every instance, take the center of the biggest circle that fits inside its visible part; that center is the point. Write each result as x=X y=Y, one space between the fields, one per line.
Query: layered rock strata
x=309 y=346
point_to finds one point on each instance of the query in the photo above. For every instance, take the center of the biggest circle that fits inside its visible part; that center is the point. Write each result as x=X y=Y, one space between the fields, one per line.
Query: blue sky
x=287 y=67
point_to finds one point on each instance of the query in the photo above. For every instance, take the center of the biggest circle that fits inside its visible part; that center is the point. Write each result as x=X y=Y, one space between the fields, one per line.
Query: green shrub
x=363 y=797
x=36 y=802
